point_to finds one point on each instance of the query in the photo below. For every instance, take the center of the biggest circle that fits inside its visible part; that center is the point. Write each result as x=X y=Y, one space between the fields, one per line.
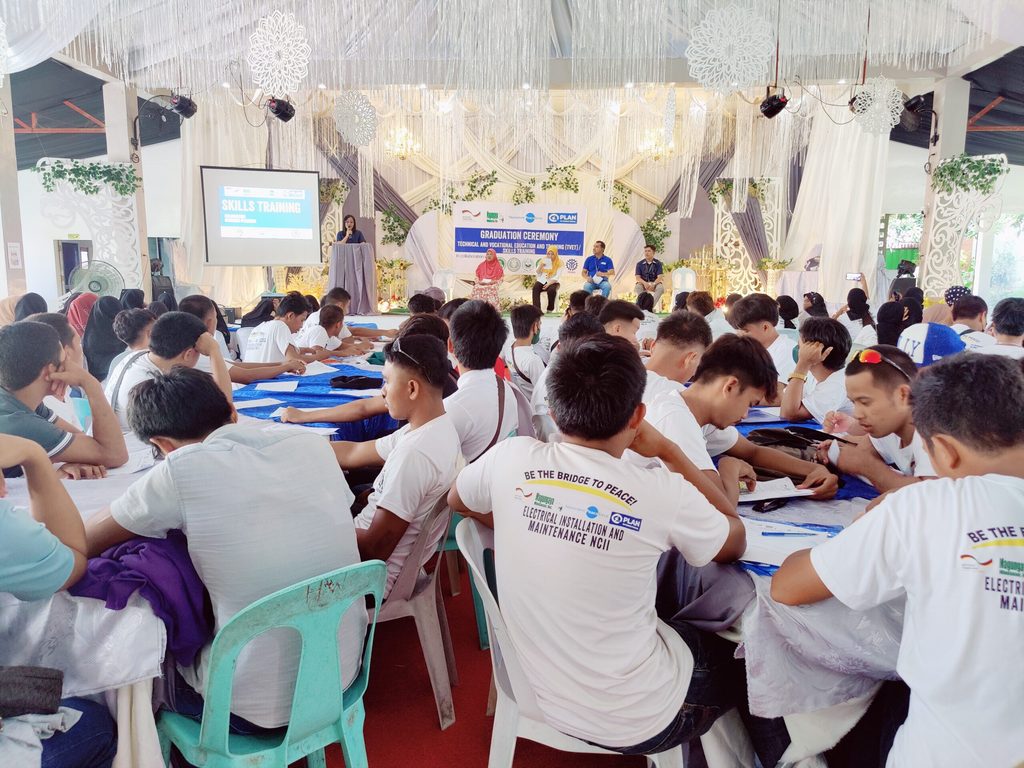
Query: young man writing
x=622 y=319
x=522 y=359
x=419 y=461
x=757 y=316
x=178 y=338
x=597 y=268
x=734 y=374
x=817 y=384
x=34 y=364
x=358 y=338
x=273 y=341
x=1008 y=326
x=950 y=547
x=650 y=275
x=578 y=535
x=682 y=338
x=203 y=308
x=261 y=509
x=878 y=382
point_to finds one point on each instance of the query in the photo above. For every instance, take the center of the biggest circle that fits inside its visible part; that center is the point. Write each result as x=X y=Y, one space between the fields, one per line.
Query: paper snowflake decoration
x=355 y=118
x=878 y=106
x=730 y=49
x=4 y=56
x=279 y=54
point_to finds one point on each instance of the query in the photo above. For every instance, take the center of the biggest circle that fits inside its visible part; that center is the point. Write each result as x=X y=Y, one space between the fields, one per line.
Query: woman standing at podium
x=349 y=234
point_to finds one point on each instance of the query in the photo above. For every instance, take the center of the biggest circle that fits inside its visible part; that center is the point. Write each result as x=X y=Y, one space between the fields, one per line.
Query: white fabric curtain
x=840 y=203
x=219 y=134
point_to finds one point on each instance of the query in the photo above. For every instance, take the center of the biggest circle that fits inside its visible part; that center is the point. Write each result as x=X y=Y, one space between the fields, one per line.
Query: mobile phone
x=855 y=276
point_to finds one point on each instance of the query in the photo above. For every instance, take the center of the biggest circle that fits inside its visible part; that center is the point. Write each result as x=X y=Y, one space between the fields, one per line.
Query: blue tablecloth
x=316 y=392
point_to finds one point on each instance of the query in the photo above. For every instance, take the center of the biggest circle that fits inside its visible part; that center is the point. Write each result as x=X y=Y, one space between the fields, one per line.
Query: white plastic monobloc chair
x=418 y=594
x=516 y=714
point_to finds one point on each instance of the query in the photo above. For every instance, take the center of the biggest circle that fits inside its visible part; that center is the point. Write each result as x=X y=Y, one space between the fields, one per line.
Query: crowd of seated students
x=662 y=434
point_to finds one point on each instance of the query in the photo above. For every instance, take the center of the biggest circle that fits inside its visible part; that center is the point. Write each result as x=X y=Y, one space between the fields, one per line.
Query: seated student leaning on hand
x=951 y=548
x=34 y=364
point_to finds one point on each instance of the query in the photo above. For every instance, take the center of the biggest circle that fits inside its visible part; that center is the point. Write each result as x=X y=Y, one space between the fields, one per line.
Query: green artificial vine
x=654 y=230
x=769 y=265
x=479 y=185
x=333 y=191
x=525 y=192
x=396 y=228
x=719 y=190
x=964 y=173
x=561 y=177
x=89 y=178
x=620 y=195
x=722 y=188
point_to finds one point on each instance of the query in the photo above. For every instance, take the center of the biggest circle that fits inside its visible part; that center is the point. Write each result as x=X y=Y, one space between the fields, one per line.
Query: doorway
x=70 y=255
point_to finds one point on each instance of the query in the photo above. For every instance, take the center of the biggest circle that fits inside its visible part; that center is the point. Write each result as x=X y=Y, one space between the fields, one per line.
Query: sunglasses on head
x=396 y=348
x=874 y=357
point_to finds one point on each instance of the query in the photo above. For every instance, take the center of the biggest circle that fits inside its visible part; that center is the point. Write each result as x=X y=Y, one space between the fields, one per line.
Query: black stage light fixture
x=773 y=105
x=281 y=109
x=183 y=105
x=914 y=103
x=913 y=109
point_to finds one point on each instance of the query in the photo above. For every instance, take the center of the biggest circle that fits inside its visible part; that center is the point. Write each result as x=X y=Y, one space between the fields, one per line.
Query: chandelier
x=402 y=144
x=653 y=146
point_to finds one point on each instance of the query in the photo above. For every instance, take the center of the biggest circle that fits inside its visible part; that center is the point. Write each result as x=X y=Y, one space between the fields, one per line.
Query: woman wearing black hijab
x=29 y=304
x=913 y=312
x=100 y=343
x=167 y=299
x=133 y=298
x=889 y=323
x=259 y=314
x=788 y=311
x=222 y=325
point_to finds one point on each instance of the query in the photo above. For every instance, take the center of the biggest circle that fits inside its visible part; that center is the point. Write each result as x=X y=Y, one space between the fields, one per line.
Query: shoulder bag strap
x=965 y=332
x=501 y=417
x=120 y=379
x=516 y=366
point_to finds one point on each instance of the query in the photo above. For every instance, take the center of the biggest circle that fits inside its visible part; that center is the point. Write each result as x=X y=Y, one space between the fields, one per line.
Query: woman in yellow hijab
x=7 y=306
x=549 y=269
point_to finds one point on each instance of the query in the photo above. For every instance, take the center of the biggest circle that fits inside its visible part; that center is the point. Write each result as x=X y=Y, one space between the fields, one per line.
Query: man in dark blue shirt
x=650 y=275
x=596 y=271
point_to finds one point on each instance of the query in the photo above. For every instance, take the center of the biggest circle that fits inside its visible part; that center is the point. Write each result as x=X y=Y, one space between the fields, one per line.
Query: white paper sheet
x=137 y=461
x=263 y=402
x=763 y=415
x=357 y=392
x=278 y=386
x=317 y=368
x=772 y=550
x=781 y=488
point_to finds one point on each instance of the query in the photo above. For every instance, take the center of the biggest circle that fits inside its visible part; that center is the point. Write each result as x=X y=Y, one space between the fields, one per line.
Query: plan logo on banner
x=562 y=218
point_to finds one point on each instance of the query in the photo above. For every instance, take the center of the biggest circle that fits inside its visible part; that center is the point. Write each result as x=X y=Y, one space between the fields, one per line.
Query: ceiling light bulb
x=843 y=81
x=225 y=84
x=735 y=83
x=322 y=86
x=629 y=85
x=423 y=86
x=526 y=86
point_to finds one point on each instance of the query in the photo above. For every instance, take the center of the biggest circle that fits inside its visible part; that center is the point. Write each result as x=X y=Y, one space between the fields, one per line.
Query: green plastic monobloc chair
x=322 y=713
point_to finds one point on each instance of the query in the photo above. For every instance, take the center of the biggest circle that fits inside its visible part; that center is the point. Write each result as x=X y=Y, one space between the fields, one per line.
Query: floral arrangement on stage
x=88 y=178
x=525 y=192
x=396 y=228
x=391 y=281
x=769 y=265
x=968 y=174
x=333 y=191
x=722 y=189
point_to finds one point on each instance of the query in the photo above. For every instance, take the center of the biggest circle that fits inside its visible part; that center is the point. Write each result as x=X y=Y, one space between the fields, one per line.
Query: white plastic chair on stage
x=516 y=713
x=445 y=280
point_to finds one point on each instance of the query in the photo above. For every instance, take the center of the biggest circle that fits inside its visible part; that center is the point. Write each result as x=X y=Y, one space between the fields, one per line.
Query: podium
x=353 y=268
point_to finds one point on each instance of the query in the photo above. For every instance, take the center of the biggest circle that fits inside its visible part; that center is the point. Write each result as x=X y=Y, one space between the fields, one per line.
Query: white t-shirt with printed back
x=524 y=363
x=474 y=411
x=268 y=342
x=578 y=534
x=820 y=397
x=781 y=352
x=1003 y=350
x=670 y=415
x=972 y=338
x=262 y=510
x=316 y=336
x=658 y=385
x=420 y=466
x=911 y=460
x=955 y=550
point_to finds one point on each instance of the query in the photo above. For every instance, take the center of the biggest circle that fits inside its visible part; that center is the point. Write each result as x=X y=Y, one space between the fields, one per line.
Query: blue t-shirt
x=593 y=265
x=33 y=562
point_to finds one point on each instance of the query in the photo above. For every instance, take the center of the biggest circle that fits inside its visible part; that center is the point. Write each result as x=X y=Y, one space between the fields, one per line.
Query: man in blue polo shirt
x=650 y=275
x=596 y=271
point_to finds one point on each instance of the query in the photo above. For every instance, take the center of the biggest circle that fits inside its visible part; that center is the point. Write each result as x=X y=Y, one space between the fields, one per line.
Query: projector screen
x=255 y=217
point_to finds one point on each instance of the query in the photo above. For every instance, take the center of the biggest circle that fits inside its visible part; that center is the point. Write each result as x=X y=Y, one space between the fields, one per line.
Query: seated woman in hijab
x=489 y=274
x=788 y=312
x=856 y=313
x=133 y=298
x=167 y=299
x=814 y=306
x=29 y=304
x=259 y=314
x=79 y=310
x=99 y=341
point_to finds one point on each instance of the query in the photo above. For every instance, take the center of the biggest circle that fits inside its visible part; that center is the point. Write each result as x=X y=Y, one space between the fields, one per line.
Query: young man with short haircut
x=970 y=318
x=702 y=303
x=577 y=303
x=203 y=308
x=878 y=382
x=484 y=409
x=523 y=360
x=420 y=461
x=261 y=509
x=177 y=338
x=34 y=364
x=951 y=548
x=757 y=316
x=578 y=535
x=274 y=341
x=682 y=338
x=421 y=304
x=1008 y=326
x=734 y=374
x=597 y=268
x=622 y=319
x=650 y=275
x=358 y=338
x=817 y=383
x=326 y=333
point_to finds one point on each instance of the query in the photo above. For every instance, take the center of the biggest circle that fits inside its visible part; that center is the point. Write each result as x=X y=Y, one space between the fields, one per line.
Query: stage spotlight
x=773 y=104
x=914 y=104
x=183 y=105
x=282 y=110
x=913 y=109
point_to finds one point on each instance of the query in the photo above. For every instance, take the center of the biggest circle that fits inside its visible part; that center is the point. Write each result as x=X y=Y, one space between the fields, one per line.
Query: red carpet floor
x=401 y=719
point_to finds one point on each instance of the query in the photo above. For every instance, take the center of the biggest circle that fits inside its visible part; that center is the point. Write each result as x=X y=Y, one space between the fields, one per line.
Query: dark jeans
x=717 y=685
x=551 y=289
x=89 y=743
x=868 y=743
